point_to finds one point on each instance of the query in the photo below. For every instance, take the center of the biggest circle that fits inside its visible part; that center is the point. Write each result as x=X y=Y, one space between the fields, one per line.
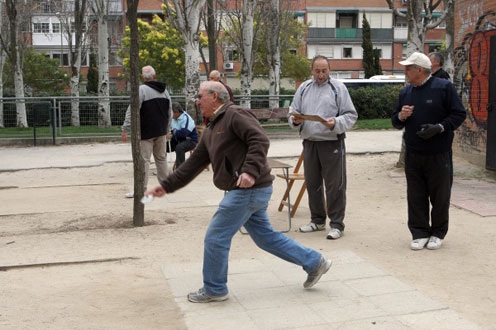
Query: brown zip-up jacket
x=233 y=143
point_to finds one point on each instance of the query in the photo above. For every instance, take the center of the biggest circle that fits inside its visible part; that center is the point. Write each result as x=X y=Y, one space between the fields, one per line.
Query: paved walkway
x=267 y=293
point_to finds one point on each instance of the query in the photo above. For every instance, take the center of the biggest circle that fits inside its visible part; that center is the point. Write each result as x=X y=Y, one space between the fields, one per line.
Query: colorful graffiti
x=471 y=61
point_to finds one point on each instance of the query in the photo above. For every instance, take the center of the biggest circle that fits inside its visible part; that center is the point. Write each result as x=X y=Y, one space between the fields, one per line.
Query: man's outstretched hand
x=158 y=191
x=429 y=130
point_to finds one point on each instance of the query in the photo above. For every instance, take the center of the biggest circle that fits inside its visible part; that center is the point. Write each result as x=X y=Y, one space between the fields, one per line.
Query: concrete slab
x=267 y=293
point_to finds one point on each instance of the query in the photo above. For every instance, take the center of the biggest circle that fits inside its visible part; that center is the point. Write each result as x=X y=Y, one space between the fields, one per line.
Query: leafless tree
x=241 y=32
x=13 y=44
x=74 y=24
x=101 y=10
x=185 y=16
x=3 y=57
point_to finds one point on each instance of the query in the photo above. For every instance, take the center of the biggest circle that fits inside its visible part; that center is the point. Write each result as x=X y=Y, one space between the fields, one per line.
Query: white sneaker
x=312 y=227
x=434 y=243
x=418 y=244
x=334 y=233
x=130 y=194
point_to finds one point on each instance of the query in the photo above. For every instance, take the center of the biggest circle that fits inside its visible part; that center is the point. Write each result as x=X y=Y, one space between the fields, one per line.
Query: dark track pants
x=429 y=178
x=325 y=165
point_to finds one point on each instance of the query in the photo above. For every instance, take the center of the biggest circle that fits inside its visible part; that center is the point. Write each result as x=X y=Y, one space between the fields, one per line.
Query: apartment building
x=50 y=20
x=335 y=30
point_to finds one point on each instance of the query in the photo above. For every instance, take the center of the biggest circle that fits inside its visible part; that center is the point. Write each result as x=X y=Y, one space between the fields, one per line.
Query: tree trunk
x=246 y=53
x=3 y=56
x=15 y=56
x=186 y=18
x=103 y=69
x=192 y=56
x=450 y=35
x=138 y=163
x=274 y=52
x=19 y=90
x=74 y=83
x=212 y=37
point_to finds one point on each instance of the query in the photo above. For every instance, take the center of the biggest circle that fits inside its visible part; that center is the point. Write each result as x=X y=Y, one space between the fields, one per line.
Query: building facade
x=475 y=79
x=335 y=31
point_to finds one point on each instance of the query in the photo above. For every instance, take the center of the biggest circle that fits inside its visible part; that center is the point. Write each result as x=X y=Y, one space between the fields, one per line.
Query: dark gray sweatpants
x=325 y=165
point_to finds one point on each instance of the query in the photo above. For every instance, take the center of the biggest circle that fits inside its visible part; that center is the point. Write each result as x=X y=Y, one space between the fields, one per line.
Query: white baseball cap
x=418 y=59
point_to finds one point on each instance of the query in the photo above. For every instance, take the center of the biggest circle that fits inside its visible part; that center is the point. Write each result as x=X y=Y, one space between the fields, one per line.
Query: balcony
x=353 y=35
x=346 y=33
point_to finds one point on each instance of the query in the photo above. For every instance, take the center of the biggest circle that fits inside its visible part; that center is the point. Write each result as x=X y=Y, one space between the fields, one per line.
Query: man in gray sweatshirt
x=324 y=153
x=155 y=122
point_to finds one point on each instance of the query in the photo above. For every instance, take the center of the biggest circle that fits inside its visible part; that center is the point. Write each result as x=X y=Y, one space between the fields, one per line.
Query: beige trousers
x=157 y=147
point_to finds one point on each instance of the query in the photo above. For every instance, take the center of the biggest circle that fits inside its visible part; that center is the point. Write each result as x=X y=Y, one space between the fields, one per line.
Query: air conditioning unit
x=228 y=66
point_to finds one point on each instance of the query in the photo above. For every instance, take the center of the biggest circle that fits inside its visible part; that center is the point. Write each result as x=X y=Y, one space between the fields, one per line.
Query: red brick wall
x=474 y=25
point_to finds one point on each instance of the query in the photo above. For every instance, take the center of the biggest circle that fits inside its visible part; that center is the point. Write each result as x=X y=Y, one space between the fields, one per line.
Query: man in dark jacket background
x=430 y=111
x=155 y=118
x=437 y=61
x=236 y=146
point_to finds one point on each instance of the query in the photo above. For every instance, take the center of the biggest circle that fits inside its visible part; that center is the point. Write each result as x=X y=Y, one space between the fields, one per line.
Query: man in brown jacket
x=236 y=146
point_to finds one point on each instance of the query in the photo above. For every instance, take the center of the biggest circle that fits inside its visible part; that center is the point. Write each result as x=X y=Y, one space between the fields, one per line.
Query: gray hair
x=438 y=57
x=148 y=72
x=426 y=70
x=217 y=87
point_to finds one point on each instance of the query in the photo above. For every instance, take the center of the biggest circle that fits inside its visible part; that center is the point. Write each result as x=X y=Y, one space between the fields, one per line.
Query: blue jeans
x=248 y=208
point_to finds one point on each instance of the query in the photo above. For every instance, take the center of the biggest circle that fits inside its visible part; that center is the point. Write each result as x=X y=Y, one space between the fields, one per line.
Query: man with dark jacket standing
x=236 y=146
x=155 y=118
x=430 y=110
x=437 y=61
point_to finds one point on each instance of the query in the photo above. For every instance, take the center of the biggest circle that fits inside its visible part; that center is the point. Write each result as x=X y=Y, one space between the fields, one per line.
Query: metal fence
x=51 y=116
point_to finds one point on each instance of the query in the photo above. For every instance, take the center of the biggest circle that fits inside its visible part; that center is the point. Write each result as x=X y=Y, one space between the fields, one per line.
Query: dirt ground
x=79 y=214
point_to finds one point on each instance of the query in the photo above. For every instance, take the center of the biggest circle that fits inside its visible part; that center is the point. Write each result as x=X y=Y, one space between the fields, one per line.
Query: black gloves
x=429 y=130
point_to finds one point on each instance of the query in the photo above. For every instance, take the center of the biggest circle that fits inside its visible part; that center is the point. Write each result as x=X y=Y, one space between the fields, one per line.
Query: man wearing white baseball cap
x=430 y=110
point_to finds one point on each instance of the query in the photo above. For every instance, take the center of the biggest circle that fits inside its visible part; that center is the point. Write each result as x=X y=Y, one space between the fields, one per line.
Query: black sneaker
x=201 y=296
x=314 y=277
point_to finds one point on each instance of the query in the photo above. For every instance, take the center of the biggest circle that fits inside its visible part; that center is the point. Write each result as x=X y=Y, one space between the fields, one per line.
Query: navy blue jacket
x=436 y=102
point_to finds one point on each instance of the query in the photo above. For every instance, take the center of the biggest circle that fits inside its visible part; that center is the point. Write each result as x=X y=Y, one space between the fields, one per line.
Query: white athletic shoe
x=312 y=227
x=334 y=233
x=418 y=244
x=434 y=243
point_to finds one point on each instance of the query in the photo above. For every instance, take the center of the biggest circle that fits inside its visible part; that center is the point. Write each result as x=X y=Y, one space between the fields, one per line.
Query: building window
x=56 y=56
x=41 y=28
x=73 y=27
x=403 y=51
x=346 y=21
x=55 y=27
x=401 y=22
x=232 y=55
x=347 y=52
x=434 y=48
x=65 y=59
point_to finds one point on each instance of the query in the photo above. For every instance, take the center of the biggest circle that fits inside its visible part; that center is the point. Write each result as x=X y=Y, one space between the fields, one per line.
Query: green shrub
x=375 y=102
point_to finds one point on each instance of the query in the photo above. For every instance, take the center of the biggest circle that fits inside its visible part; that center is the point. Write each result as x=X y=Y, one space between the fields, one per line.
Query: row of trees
x=265 y=34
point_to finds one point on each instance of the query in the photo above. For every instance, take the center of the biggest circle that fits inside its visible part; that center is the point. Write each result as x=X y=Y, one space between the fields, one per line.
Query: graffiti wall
x=475 y=24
